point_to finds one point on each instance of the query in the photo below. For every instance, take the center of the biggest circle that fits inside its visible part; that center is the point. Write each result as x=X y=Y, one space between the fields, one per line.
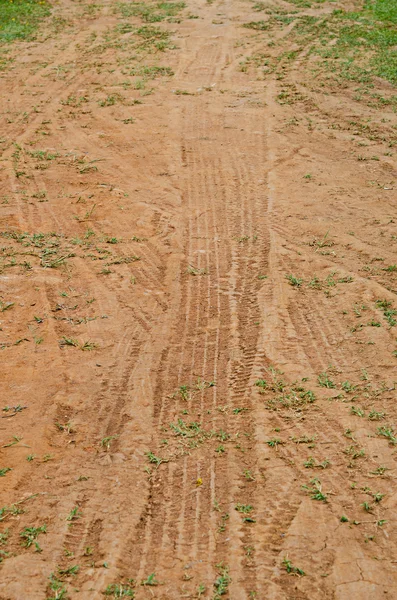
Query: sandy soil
x=145 y=248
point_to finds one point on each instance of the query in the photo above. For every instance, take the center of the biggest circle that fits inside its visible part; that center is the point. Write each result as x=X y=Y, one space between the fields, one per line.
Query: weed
x=195 y=271
x=243 y=508
x=222 y=525
x=106 y=441
x=150 y=580
x=294 y=281
x=380 y=470
x=12 y=510
x=69 y=342
x=201 y=590
x=15 y=440
x=354 y=452
x=274 y=442
x=30 y=535
x=69 y=570
x=348 y=387
x=325 y=381
x=376 y=416
x=344 y=519
x=4 y=537
x=355 y=410
x=67 y=427
x=315 y=491
x=155 y=459
x=88 y=346
x=261 y=383
x=311 y=463
x=388 y=311
x=222 y=582
x=4 y=471
x=257 y=25
x=58 y=587
x=291 y=569
x=120 y=590
x=5 y=305
x=74 y=514
x=388 y=433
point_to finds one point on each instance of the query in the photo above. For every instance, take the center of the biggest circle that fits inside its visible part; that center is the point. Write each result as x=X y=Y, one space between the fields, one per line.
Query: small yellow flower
x=199 y=482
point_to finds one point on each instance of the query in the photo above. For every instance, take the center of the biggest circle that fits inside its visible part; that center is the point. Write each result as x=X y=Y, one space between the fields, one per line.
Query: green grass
x=151 y=13
x=120 y=590
x=363 y=42
x=20 y=18
x=383 y=10
x=353 y=45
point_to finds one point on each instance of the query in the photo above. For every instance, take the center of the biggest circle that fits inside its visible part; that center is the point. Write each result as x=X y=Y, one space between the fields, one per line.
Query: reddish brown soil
x=208 y=190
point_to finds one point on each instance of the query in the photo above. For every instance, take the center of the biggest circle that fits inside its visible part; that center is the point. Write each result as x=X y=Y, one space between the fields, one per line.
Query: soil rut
x=178 y=441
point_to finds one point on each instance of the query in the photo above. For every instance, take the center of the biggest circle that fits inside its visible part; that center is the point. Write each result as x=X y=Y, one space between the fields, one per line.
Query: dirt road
x=197 y=294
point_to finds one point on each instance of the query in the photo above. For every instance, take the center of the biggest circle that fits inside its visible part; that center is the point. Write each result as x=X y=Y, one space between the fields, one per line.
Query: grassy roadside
x=20 y=18
x=351 y=45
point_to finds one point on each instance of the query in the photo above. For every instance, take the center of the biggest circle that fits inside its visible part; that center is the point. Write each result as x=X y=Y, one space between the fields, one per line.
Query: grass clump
x=120 y=590
x=151 y=13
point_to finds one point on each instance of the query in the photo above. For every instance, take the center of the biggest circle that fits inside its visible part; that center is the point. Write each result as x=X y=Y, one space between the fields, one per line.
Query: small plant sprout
x=121 y=590
x=244 y=508
x=311 y=463
x=325 y=381
x=314 y=489
x=196 y=271
x=356 y=410
x=107 y=441
x=29 y=536
x=222 y=582
x=381 y=470
x=274 y=442
x=375 y=415
x=388 y=433
x=74 y=514
x=155 y=460
x=261 y=383
x=70 y=570
x=150 y=580
x=201 y=590
x=291 y=569
x=348 y=387
x=58 y=587
x=294 y=281
x=4 y=537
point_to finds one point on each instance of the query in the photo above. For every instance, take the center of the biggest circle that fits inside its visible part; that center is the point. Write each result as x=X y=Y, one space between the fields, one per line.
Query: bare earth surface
x=174 y=390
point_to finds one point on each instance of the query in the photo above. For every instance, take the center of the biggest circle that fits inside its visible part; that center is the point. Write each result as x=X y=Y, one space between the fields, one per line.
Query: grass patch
x=151 y=13
x=351 y=45
x=354 y=45
x=19 y=19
